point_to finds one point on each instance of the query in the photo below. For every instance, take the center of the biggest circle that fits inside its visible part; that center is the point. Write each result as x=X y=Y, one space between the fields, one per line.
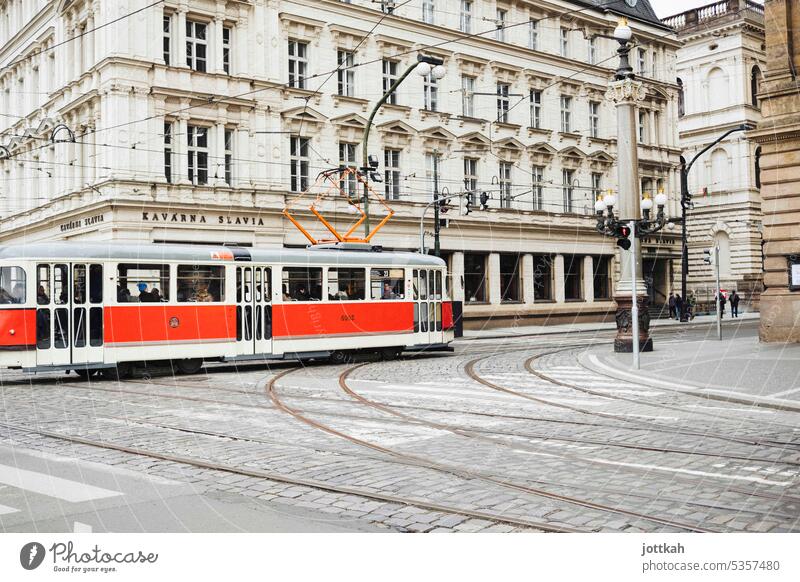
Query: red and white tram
x=94 y=306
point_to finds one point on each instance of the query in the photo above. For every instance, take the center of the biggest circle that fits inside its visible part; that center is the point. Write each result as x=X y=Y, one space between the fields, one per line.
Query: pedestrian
x=678 y=306
x=735 y=304
x=721 y=304
x=691 y=301
x=671 y=303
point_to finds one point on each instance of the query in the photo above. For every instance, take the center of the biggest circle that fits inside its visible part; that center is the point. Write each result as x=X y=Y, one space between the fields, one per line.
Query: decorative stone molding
x=396 y=134
x=626 y=91
x=303 y=117
x=509 y=149
x=475 y=141
x=301 y=28
x=505 y=73
x=436 y=138
x=541 y=153
x=344 y=37
x=471 y=65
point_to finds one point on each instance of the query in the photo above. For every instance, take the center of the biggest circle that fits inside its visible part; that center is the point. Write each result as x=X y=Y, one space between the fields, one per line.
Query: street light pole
x=436 y=224
x=425 y=211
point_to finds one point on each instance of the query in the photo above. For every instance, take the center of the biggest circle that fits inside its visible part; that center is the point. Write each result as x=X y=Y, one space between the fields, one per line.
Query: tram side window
x=60 y=285
x=302 y=284
x=43 y=284
x=201 y=283
x=142 y=283
x=346 y=284
x=12 y=285
x=387 y=283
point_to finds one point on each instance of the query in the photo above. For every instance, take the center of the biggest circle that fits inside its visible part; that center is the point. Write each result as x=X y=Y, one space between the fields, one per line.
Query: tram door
x=427 y=285
x=253 y=310
x=69 y=313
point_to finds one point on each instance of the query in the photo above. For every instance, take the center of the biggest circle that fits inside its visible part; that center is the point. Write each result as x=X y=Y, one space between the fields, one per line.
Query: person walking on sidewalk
x=734 y=304
x=721 y=304
x=691 y=301
x=678 y=306
x=671 y=303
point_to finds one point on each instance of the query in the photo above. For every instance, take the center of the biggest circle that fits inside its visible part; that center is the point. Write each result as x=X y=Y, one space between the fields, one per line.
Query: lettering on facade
x=181 y=218
x=81 y=222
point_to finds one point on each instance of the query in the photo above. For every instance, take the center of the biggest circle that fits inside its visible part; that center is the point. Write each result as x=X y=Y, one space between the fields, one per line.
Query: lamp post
x=425 y=65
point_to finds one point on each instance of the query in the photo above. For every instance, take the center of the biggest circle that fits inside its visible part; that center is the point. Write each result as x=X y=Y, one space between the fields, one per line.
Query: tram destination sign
x=187 y=218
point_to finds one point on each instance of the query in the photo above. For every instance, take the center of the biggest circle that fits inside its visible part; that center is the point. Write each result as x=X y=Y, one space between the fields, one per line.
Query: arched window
x=758 y=167
x=717 y=89
x=722 y=240
x=681 y=99
x=719 y=170
x=755 y=80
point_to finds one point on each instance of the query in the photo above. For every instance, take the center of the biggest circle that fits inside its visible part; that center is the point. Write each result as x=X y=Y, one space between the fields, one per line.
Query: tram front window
x=142 y=283
x=12 y=285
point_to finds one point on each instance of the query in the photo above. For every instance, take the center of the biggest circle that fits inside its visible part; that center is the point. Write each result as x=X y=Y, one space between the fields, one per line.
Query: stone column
x=241 y=152
x=179 y=37
x=217 y=155
x=493 y=278
x=215 y=45
x=180 y=161
x=526 y=278
x=457 y=271
x=626 y=94
x=558 y=278
x=588 y=279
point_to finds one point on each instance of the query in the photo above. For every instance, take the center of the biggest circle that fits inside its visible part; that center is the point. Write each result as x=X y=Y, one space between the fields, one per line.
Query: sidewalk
x=534 y=330
x=738 y=369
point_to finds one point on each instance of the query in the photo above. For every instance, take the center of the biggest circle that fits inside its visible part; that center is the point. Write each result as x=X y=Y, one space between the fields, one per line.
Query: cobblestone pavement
x=509 y=437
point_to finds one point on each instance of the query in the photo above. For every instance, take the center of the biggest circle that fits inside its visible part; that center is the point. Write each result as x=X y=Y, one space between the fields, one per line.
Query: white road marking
x=43 y=484
x=5 y=510
x=779 y=394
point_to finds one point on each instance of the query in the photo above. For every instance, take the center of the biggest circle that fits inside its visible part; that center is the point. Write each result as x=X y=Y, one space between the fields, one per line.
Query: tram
x=107 y=307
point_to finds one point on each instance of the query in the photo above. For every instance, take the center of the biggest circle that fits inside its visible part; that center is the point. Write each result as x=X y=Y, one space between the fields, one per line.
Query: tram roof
x=70 y=251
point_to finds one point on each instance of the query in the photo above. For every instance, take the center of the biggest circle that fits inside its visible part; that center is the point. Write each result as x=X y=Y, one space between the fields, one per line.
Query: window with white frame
x=430 y=171
x=468 y=96
x=196 y=45
x=642 y=126
x=168 y=151
x=347 y=159
x=227 y=39
x=567 y=188
x=465 y=20
x=167 y=39
x=594 y=118
x=536 y=108
x=389 y=77
x=391 y=173
x=656 y=64
x=566 y=113
x=503 y=103
x=505 y=184
x=346 y=74
x=430 y=92
x=533 y=34
x=642 y=60
x=500 y=23
x=298 y=64
x=597 y=185
x=470 y=174
x=299 y=162
x=197 y=150
x=428 y=9
x=537 y=187
x=564 y=42
x=592 y=50
x=229 y=156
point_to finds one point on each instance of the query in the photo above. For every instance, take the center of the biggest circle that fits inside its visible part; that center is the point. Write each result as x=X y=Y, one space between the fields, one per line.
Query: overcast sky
x=669 y=7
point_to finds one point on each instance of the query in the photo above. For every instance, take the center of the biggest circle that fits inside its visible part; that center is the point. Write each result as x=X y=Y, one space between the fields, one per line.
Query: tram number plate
x=348 y=317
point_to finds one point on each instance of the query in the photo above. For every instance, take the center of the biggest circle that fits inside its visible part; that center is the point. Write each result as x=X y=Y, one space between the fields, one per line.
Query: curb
x=595 y=364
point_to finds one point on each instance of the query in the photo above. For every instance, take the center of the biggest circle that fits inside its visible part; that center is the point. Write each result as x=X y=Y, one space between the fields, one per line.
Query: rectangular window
x=302 y=284
x=298 y=64
x=642 y=61
x=201 y=283
x=391 y=174
x=657 y=127
x=142 y=283
x=475 y=277
x=298 y=161
x=566 y=113
x=597 y=185
x=347 y=159
x=465 y=21
x=468 y=96
x=503 y=103
x=345 y=74
x=229 y=157
x=642 y=126
x=470 y=174
x=656 y=64
x=43 y=284
x=168 y=151
x=602 y=278
x=428 y=9
x=594 y=118
x=573 y=277
x=196 y=45
x=12 y=285
x=500 y=23
x=564 y=42
x=647 y=187
x=567 y=188
x=509 y=278
x=536 y=109
x=542 y=278
x=430 y=172
x=387 y=283
x=198 y=154
x=537 y=187
x=592 y=51
x=533 y=35
x=227 y=37
x=389 y=77
x=167 y=39
x=431 y=92
x=505 y=184
x=346 y=284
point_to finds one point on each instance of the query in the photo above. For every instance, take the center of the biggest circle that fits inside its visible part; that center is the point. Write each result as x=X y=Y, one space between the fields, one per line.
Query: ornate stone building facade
x=779 y=137
x=195 y=121
x=719 y=69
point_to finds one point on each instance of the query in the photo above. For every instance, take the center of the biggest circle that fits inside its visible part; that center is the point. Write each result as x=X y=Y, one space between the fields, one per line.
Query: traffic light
x=469 y=204
x=444 y=205
x=623 y=237
x=485 y=200
x=707 y=256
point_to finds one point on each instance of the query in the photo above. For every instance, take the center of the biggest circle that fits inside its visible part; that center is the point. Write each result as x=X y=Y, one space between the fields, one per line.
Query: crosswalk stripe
x=5 y=510
x=44 y=484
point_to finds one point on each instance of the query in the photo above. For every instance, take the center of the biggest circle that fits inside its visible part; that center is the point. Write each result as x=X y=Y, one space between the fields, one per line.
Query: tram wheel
x=85 y=373
x=340 y=357
x=119 y=372
x=189 y=365
x=391 y=353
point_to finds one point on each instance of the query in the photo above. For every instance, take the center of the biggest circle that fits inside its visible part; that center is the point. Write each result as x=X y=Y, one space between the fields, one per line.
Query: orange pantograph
x=328 y=185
